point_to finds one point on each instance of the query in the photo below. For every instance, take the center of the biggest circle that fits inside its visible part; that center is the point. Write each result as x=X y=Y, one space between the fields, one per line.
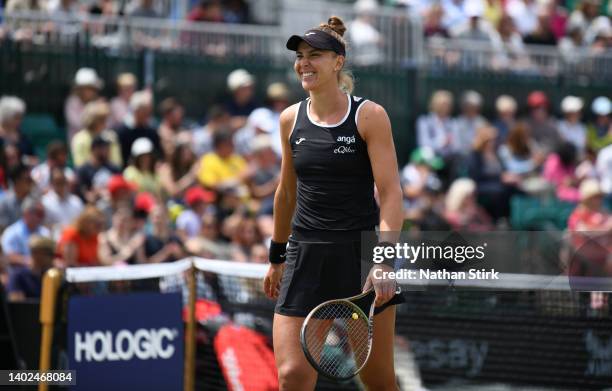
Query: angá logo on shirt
x=346 y=139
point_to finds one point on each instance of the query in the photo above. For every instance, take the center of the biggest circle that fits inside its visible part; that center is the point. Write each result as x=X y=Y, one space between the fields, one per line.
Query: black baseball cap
x=318 y=39
x=100 y=141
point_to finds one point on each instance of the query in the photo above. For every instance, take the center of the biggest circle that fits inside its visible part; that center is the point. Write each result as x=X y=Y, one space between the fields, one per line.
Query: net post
x=50 y=287
x=190 y=335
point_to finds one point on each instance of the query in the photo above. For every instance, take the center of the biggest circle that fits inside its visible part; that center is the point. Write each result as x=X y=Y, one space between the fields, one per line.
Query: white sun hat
x=142 y=146
x=87 y=77
x=239 y=78
x=601 y=105
x=571 y=104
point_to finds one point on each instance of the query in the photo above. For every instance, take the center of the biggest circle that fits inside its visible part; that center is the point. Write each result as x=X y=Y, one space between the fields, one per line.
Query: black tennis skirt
x=319 y=270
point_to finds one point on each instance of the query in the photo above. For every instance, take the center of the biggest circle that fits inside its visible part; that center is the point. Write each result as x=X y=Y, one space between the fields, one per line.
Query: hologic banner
x=126 y=342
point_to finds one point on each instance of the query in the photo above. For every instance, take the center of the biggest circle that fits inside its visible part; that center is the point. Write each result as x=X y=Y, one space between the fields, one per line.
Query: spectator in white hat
x=570 y=127
x=466 y=124
x=599 y=132
x=142 y=171
x=87 y=86
x=241 y=84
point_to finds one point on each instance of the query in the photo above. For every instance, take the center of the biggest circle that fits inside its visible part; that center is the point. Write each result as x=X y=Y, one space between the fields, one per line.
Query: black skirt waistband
x=327 y=236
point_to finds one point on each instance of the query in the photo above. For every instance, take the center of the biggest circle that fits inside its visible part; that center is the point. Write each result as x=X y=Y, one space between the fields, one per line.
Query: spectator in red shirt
x=78 y=245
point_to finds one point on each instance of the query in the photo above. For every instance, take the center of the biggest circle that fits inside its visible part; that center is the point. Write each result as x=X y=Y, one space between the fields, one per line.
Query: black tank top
x=335 y=184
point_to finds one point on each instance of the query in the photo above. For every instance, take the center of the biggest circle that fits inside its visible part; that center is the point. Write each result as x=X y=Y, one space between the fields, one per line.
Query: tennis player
x=335 y=148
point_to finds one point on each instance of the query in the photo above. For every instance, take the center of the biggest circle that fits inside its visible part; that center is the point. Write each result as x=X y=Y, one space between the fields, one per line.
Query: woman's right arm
x=284 y=200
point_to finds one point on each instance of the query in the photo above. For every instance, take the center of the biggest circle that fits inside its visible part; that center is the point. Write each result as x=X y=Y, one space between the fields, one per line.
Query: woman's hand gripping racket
x=337 y=335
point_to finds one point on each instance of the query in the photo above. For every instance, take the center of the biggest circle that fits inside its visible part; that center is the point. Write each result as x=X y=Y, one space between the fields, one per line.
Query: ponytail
x=346 y=81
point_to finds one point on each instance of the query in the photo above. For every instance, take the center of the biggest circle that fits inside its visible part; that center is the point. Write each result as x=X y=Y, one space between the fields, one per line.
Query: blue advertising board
x=126 y=342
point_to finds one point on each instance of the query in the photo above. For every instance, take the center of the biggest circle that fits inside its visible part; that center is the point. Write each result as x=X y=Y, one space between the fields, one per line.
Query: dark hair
x=334 y=26
x=221 y=137
x=176 y=165
x=215 y=112
x=56 y=148
x=140 y=214
x=168 y=105
x=137 y=162
x=567 y=153
x=16 y=172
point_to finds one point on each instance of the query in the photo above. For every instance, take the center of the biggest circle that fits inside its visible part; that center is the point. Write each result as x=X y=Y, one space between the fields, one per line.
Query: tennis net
x=523 y=331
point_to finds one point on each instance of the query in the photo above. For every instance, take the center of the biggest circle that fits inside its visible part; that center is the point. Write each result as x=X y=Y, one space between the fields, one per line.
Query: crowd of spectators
x=221 y=11
x=474 y=173
x=505 y=27
x=467 y=168
x=495 y=34
x=131 y=184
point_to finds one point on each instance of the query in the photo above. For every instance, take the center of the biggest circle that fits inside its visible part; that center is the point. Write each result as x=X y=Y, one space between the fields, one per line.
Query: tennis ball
x=355 y=316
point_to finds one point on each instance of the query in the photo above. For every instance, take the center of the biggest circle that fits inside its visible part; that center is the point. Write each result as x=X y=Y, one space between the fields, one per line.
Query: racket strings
x=337 y=339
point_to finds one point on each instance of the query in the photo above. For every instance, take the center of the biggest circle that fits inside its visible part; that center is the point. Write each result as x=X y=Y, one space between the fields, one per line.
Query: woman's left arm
x=375 y=128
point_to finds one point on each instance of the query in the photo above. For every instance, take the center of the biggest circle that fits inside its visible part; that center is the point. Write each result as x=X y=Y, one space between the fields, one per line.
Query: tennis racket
x=337 y=335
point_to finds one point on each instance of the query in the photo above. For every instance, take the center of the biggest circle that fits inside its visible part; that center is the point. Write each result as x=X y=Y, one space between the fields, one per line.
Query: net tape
x=258 y=271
